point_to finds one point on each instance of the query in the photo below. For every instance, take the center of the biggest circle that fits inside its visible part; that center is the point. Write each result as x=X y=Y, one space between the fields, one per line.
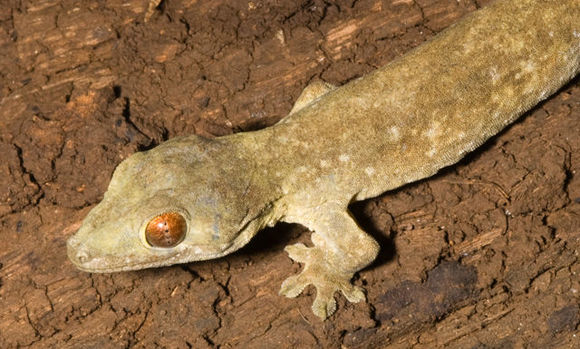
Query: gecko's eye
x=166 y=230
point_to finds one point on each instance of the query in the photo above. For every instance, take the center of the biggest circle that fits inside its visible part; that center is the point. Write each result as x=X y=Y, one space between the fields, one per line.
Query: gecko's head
x=179 y=202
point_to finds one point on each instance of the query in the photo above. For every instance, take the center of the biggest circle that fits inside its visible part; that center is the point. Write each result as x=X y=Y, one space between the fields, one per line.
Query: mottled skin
x=396 y=125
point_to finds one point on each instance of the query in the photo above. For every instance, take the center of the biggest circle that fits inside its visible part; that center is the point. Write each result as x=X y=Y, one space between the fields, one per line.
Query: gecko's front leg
x=341 y=248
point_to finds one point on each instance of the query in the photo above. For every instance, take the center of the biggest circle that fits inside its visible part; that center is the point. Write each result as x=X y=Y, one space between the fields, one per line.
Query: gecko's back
x=425 y=111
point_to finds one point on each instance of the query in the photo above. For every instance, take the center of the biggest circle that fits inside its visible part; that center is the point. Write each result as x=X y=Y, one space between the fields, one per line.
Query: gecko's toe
x=353 y=294
x=293 y=286
x=324 y=305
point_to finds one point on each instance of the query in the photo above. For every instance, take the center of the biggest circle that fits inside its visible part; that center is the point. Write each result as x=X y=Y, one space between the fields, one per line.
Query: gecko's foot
x=322 y=275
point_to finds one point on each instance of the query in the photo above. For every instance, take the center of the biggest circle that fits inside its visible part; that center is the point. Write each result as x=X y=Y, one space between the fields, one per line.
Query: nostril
x=77 y=253
x=82 y=256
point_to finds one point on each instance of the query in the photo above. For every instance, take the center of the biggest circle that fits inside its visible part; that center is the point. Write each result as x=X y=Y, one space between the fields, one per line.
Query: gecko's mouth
x=81 y=256
x=133 y=256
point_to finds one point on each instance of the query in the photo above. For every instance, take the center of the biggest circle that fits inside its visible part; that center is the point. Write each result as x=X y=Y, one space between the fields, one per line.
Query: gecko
x=194 y=198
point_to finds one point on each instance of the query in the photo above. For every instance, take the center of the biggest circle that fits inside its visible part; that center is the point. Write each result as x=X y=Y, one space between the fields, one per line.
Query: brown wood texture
x=483 y=255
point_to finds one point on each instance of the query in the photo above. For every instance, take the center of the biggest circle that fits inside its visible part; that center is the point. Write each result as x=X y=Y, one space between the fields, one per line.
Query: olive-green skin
x=398 y=124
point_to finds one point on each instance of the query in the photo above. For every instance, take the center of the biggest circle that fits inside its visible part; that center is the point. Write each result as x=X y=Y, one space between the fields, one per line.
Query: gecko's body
x=396 y=125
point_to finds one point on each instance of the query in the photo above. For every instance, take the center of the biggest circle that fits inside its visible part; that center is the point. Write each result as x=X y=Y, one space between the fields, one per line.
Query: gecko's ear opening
x=166 y=230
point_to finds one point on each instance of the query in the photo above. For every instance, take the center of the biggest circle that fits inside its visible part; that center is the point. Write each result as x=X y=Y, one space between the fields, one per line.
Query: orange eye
x=166 y=230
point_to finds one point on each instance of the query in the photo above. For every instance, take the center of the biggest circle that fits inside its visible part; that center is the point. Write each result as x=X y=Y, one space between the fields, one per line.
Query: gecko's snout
x=76 y=253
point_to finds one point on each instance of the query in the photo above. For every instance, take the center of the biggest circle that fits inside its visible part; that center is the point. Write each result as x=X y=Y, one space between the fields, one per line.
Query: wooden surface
x=484 y=255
